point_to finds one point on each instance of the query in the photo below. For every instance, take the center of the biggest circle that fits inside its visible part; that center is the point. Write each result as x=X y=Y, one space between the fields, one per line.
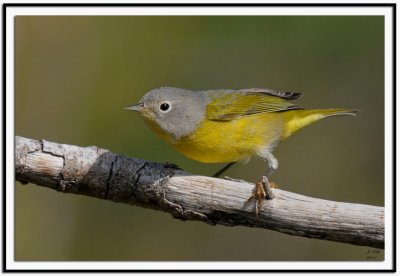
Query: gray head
x=176 y=111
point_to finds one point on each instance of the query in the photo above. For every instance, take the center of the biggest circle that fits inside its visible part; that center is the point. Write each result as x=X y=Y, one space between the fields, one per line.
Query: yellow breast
x=230 y=141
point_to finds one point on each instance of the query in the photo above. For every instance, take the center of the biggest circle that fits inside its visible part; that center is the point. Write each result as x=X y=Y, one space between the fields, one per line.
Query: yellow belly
x=230 y=141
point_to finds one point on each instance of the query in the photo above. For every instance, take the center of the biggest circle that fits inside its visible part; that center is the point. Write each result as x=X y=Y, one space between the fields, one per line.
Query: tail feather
x=297 y=119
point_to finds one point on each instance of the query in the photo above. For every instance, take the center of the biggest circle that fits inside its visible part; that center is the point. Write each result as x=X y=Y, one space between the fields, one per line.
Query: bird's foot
x=273 y=185
x=262 y=191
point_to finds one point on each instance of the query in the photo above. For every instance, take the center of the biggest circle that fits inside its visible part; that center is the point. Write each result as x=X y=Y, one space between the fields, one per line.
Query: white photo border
x=10 y=10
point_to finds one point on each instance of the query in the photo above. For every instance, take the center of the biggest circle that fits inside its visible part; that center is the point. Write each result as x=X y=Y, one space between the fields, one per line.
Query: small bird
x=227 y=126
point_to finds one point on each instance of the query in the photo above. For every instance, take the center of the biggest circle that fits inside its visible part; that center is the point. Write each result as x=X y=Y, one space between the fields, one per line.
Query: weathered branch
x=100 y=173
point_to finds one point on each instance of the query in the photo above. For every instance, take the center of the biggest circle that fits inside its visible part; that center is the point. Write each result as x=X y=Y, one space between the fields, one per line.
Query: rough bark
x=100 y=173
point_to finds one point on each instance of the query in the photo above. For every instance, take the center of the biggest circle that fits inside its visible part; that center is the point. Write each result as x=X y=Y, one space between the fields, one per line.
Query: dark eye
x=165 y=106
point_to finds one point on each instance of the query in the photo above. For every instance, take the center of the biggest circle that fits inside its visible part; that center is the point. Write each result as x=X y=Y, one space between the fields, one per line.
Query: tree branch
x=100 y=173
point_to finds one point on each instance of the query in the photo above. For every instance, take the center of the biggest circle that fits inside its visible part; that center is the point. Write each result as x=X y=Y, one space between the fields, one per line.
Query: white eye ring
x=165 y=106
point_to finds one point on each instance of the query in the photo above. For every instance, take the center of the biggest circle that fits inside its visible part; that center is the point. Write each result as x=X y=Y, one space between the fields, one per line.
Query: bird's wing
x=234 y=104
x=280 y=94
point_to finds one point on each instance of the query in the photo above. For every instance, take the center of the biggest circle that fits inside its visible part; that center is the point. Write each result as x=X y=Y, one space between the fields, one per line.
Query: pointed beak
x=136 y=107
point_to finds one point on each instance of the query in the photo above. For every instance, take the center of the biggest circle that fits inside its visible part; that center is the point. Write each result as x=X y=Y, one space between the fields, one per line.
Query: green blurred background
x=74 y=76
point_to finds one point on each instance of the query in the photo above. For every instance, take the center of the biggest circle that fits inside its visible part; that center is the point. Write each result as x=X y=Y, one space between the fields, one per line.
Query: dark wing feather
x=287 y=95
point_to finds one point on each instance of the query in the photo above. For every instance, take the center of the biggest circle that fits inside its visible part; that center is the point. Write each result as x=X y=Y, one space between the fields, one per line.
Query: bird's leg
x=262 y=188
x=262 y=191
x=221 y=171
x=226 y=167
x=266 y=185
